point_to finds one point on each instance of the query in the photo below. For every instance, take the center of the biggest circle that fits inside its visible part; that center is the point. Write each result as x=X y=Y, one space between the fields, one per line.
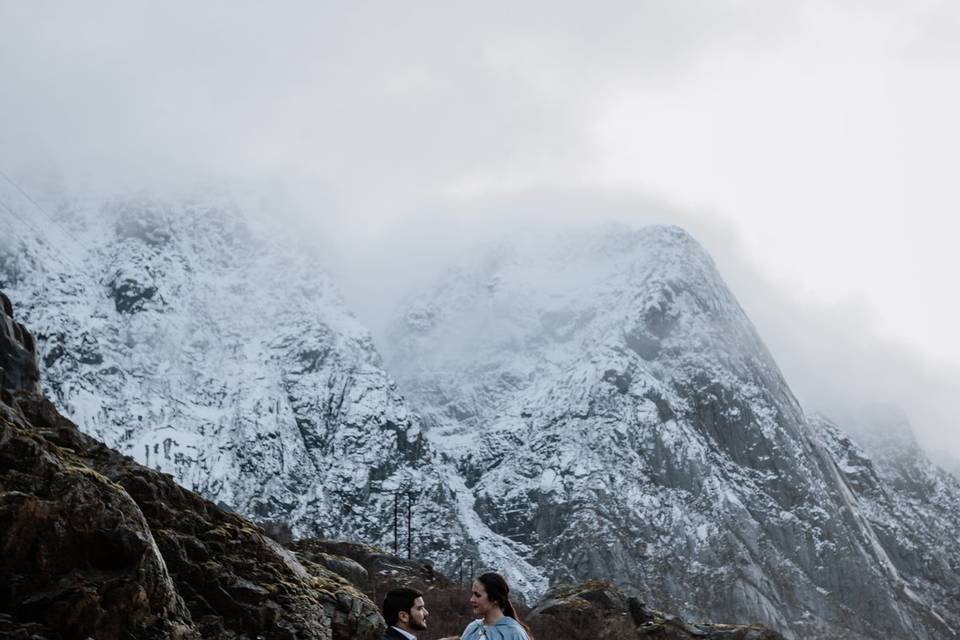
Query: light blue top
x=506 y=628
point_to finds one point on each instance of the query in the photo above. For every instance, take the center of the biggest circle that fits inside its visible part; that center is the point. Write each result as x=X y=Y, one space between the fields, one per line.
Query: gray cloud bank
x=363 y=98
x=396 y=136
x=834 y=357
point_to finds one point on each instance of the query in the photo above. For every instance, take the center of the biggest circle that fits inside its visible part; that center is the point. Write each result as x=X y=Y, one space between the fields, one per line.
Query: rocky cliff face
x=605 y=388
x=95 y=545
x=212 y=349
x=609 y=388
x=18 y=364
x=911 y=507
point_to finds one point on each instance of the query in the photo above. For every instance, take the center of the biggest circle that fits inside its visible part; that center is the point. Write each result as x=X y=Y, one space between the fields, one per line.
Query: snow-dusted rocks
x=611 y=407
x=205 y=347
x=567 y=408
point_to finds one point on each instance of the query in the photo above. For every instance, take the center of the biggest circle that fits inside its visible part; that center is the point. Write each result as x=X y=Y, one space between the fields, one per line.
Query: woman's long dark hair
x=499 y=591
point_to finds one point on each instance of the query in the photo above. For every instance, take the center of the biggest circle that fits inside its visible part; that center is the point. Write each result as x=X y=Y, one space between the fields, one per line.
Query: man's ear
x=404 y=616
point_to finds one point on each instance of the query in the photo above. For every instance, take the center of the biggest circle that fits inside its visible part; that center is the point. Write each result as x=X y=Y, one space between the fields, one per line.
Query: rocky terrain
x=95 y=545
x=195 y=343
x=608 y=387
x=598 y=609
x=601 y=387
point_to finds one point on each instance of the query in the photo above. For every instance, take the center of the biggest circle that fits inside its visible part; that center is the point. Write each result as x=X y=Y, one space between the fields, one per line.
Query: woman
x=498 y=619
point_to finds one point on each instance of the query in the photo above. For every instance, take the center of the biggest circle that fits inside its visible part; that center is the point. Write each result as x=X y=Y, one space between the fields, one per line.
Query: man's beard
x=419 y=626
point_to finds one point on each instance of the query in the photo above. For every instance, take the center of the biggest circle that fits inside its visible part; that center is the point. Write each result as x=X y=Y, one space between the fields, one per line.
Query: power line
x=39 y=234
x=17 y=216
x=49 y=217
x=24 y=240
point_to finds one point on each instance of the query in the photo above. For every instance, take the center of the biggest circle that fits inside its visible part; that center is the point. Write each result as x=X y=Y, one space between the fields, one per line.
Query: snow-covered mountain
x=607 y=388
x=580 y=406
x=213 y=349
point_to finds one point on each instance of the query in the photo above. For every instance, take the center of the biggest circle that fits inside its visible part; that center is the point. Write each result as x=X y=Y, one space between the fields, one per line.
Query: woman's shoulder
x=472 y=628
x=511 y=629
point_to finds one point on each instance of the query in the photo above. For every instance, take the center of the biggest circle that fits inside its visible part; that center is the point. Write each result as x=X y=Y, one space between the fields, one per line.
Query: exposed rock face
x=603 y=388
x=18 y=360
x=609 y=388
x=598 y=609
x=911 y=506
x=95 y=545
x=370 y=567
x=212 y=349
x=79 y=559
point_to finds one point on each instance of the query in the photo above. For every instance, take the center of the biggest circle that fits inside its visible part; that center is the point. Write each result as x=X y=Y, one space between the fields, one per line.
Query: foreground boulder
x=79 y=558
x=93 y=544
x=598 y=609
x=369 y=567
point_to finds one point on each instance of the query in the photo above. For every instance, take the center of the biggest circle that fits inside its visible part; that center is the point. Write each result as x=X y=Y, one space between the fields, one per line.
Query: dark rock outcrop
x=368 y=566
x=93 y=544
x=598 y=609
x=78 y=556
x=18 y=358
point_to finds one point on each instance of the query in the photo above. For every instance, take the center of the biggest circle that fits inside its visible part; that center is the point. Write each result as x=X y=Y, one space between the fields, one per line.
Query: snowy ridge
x=207 y=348
x=611 y=389
x=602 y=387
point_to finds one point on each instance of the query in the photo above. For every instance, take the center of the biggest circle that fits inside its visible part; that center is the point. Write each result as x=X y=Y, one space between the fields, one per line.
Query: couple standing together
x=406 y=613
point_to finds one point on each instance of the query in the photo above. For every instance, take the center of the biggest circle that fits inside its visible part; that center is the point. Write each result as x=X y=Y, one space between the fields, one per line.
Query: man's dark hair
x=398 y=600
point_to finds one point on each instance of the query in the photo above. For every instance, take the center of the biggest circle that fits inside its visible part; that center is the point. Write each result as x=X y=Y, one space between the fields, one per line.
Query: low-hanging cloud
x=395 y=136
x=364 y=98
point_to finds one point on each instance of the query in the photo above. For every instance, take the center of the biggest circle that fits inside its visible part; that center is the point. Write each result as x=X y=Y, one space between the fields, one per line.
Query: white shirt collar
x=406 y=633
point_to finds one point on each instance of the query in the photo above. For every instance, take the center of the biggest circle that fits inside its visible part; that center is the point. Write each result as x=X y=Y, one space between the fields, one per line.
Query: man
x=405 y=613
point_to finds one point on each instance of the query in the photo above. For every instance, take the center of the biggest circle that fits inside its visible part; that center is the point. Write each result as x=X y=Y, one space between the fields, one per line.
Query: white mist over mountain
x=835 y=357
x=812 y=149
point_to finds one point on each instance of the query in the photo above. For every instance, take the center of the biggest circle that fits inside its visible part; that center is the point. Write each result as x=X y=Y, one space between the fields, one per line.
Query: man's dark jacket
x=393 y=634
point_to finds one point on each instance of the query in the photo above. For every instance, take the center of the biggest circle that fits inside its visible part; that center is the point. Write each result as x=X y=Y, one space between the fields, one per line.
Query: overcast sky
x=813 y=147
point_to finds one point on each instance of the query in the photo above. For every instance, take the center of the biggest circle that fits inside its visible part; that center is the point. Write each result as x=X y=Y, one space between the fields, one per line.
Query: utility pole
x=409 y=528
x=396 y=514
x=396 y=522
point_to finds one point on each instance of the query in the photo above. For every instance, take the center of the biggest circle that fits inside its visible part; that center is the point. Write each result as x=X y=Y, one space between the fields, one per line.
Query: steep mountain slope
x=608 y=388
x=210 y=348
x=912 y=506
x=95 y=545
x=594 y=406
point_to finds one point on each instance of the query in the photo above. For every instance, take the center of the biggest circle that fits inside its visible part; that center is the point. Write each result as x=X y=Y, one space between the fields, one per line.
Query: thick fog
x=812 y=149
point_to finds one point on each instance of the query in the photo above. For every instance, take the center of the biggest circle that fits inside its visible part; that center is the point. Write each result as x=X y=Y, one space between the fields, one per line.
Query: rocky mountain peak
x=609 y=387
x=210 y=347
x=566 y=407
